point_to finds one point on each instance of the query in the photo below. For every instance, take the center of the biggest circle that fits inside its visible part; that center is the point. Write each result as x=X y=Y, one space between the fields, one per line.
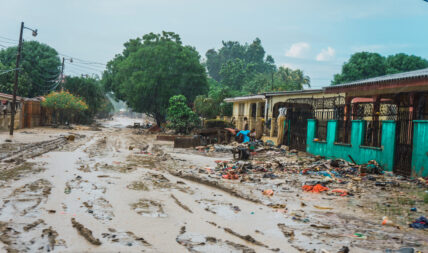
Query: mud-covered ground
x=119 y=191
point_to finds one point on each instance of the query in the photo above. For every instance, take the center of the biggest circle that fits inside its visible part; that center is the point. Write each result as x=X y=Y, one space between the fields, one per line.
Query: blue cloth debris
x=246 y=134
x=420 y=223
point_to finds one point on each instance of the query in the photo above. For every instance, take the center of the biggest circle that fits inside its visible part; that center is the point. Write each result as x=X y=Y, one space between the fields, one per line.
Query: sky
x=317 y=36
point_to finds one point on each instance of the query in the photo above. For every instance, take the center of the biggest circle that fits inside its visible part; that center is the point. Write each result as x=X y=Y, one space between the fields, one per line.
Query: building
x=29 y=112
x=261 y=112
x=6 y=109
x=383 y=119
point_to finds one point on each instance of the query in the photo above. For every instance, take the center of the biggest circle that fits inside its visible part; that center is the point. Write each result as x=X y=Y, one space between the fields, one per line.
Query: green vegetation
x=92 y=92
x=180 y=117
x=152 y=69
x=64 y=105
x=40 y=68
x=246 y=68
x=365 y=65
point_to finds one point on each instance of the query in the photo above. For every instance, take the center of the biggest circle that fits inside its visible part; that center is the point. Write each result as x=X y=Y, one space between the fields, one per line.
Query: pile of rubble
x=333 y=177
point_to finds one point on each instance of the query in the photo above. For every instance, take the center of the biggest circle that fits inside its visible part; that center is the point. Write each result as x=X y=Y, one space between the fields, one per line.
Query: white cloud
x=326 y=54
x=298 y=50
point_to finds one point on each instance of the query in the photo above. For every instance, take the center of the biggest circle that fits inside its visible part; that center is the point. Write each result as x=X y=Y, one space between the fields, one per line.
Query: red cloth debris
x=314 y=188
x=230 y=175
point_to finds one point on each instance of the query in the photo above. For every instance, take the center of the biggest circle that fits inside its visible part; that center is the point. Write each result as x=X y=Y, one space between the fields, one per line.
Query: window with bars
x=373 y=133
x=241 y=109
x=321 y=133
x=343 y=131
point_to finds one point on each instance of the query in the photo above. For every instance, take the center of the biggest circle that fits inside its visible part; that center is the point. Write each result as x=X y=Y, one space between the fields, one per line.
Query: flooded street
x=119 y=190
x=105 y=193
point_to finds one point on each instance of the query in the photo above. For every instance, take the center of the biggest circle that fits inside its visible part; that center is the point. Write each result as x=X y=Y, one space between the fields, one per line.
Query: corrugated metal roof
x=9 y=96
x=244 y=98
x=272 y=94
x=399 y=76
x=279 y=93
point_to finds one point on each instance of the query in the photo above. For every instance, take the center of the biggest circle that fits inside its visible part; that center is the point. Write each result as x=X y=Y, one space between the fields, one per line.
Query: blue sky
x=314 y=35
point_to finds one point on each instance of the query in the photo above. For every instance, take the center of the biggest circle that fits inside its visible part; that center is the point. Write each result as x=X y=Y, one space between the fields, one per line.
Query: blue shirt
x=245 y=133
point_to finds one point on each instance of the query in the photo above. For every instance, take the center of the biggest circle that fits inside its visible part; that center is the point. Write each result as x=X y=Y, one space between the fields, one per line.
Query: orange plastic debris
x=314 y=188
x=268 y=192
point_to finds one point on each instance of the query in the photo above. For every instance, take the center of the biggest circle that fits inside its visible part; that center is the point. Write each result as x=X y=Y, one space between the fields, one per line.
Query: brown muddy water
x=97 y=195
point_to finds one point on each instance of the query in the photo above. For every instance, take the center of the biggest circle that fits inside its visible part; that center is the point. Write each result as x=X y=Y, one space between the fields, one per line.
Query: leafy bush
x=180 y=117
x=65 y=104
x=206 y=107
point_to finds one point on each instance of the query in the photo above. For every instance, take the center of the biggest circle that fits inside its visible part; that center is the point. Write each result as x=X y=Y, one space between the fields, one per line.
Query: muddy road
x=115 y=191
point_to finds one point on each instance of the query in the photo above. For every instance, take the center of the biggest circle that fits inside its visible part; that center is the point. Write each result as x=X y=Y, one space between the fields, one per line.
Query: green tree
x=361 y=66
x=152 y=69
x=206 y=107
x=403 y=62
x=180 y=117
x=212 y=104
x=234 y=73
x=365 y=65
x=248 y=59
x=288 y=79
x=40 y=68
x=284 y=79
x=92 y=91
x=261 y=82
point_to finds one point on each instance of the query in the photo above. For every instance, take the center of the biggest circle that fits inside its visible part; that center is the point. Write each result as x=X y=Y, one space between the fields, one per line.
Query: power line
x=8 y=42
x=9 y=70
x=83 y=61
x=8 y=39
x=86 y=68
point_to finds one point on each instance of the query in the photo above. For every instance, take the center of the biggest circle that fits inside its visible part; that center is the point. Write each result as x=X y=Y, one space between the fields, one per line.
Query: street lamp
x=15 y=87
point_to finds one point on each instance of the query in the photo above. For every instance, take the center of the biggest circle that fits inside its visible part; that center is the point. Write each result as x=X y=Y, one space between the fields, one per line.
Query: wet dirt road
x=106 y=192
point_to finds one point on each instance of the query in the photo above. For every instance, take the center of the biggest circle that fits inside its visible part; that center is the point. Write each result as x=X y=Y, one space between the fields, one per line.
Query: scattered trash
x=268 y=192
x=341 y=192
x=420 y=223
x=402 y=250
x=387 y=222
x=315 y=189
x=344 y=249
x=359 y=235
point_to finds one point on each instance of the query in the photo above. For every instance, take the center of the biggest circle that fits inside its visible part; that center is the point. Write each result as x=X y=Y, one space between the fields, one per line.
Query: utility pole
x=62 y=71
x=15 y=87
x=62 y=74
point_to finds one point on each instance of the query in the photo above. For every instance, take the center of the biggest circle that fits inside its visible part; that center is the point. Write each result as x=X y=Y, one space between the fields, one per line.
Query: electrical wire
x=8 y=42
x=8 y=39
x=83 y=61
x=9 y=70
x=83 y=68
